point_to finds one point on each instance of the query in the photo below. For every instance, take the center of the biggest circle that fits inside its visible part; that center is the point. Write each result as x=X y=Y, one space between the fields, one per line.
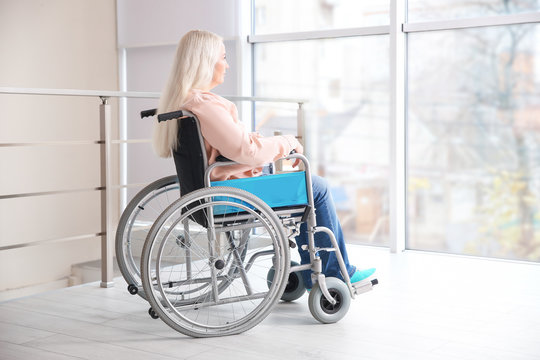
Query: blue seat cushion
x=280 y=190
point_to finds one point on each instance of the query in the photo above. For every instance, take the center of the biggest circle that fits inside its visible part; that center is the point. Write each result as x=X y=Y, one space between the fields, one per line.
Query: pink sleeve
x=222 y=132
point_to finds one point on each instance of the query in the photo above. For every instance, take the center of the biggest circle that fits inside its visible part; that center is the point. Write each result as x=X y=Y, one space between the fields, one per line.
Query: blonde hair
x=196 y=56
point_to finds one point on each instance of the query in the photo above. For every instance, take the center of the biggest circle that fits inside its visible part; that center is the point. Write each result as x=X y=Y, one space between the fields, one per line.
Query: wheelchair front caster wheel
x=153 y=314
x=321 y=309
x=132 y=289
x=295 y=284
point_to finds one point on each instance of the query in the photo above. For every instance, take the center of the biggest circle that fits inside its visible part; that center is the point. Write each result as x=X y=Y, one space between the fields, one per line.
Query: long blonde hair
x=196 y=56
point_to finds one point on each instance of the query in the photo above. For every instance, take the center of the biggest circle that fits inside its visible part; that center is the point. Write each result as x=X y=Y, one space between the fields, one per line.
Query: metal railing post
x=106 y=195
x=301 y=131
x=300 y=124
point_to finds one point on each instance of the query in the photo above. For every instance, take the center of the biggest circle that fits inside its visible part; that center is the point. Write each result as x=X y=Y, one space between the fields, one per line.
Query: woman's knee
x=319 y=182
x=320 y=187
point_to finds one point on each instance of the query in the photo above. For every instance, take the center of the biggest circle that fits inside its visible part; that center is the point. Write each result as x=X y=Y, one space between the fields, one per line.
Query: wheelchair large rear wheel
x=213 y=282
x=135 y=223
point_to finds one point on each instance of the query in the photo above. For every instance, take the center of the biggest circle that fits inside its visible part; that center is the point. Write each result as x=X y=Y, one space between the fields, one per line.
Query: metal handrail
x=129 y=94
x=107 y=240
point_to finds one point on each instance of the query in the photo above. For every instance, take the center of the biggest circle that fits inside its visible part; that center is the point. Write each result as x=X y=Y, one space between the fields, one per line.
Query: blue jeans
x=325 y=213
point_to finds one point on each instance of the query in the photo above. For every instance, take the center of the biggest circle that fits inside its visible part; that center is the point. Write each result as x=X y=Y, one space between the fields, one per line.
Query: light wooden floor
x=427 y=306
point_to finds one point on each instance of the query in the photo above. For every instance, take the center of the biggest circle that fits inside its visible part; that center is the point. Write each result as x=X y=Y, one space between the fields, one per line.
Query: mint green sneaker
x=361 y=275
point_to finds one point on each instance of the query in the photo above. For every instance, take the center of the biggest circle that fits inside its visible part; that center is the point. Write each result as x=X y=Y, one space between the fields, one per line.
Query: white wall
x=77 y=44
x=148 y=33
x=143 y=22
x=51 y=44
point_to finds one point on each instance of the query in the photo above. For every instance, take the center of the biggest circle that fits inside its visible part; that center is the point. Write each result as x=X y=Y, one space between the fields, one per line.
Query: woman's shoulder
x=203 y=103
x=197 y=97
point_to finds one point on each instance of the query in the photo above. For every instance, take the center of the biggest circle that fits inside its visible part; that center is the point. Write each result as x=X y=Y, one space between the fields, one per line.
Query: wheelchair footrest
x=364 y=286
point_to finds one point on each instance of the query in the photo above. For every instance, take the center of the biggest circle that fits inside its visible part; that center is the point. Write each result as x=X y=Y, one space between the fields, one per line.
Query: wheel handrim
x=249 y=310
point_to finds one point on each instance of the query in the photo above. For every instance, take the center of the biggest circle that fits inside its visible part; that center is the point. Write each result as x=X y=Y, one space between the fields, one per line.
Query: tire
x=320 y=307
x=135 y=223
x=233 y=270
x=295 y=287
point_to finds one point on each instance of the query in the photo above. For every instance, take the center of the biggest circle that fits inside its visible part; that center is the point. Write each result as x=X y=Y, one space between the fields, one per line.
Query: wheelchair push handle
x=165 y=116
x=147 y=113
x=170 y=115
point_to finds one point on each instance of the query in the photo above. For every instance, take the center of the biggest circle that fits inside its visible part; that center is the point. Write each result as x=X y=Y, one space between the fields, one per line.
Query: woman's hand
x=298 y=150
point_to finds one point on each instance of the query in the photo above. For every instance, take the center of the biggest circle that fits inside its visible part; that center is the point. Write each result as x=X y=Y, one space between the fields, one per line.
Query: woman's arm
x=229 y=137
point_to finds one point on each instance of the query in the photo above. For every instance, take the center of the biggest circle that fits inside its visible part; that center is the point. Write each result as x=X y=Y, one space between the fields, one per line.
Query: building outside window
x=472 y=117
x=474 y=133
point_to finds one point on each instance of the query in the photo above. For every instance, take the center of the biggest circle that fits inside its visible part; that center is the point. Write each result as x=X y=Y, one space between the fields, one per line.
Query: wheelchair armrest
x=220 y=161
x=223 y=161
x=294 y=155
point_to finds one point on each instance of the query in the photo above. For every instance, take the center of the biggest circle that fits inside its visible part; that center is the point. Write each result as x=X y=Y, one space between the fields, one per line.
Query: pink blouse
x=225 y=135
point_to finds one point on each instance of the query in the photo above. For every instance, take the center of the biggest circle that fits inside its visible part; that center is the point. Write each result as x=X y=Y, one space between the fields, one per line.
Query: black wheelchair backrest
x=190 y=154
x=189 y=158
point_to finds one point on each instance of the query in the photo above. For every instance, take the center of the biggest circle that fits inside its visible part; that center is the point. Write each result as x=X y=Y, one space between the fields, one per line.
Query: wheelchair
x=134 y=224
x=216 y=260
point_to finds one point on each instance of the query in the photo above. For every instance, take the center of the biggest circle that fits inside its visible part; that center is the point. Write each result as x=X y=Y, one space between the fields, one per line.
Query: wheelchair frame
x=325 y=292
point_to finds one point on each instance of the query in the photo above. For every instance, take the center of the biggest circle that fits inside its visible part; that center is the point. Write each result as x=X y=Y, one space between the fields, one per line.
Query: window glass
x=346 y=83
x=279 y=16
x=430 y=10
x=474 y=141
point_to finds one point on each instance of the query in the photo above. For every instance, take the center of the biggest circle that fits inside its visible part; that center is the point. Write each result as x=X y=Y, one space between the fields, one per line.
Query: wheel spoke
x=242 y=254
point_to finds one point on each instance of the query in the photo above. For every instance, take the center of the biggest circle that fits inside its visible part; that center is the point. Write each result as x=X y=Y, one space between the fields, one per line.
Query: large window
x=346 y=119
x=474 y=141
x=345 y=80
x=472 y=115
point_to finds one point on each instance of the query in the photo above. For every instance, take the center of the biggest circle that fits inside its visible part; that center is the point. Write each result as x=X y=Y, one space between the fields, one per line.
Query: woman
x=200 y=65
